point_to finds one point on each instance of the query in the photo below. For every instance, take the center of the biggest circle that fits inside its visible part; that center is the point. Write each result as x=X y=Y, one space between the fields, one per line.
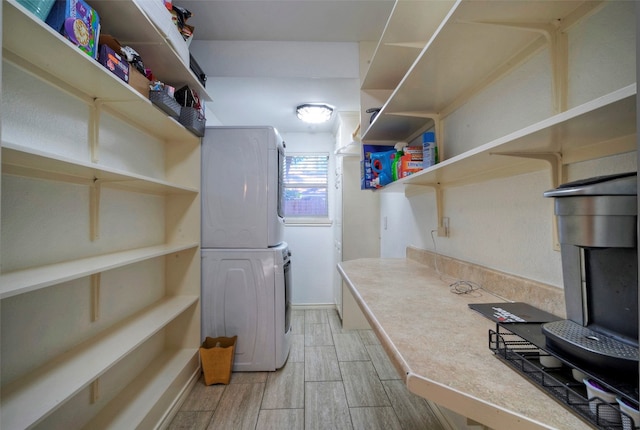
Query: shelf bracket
x=555 y=34
x=556 y=38
x=94 y=128
x=95 y=390
x=94 y=209
x=557 y=177
x=437 y=126
x=95 y=297
x=553 y=158
x=411 y=190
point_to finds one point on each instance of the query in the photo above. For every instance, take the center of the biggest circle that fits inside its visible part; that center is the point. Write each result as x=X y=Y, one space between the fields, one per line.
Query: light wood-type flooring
x=333 y=379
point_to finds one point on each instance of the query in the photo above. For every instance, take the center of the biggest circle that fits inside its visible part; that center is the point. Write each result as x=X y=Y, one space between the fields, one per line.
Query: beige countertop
x=442 y=346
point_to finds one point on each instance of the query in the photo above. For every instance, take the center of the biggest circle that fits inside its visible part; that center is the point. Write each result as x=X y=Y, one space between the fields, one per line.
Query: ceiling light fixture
x=314 y=113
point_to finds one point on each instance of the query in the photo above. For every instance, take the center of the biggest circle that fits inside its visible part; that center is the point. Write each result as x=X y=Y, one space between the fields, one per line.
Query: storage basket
x=192 y=111
x=165 y=102
x=216 y=355
x=193 y=120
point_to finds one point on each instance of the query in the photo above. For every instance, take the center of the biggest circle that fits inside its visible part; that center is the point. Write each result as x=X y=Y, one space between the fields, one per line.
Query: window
x=305 y=182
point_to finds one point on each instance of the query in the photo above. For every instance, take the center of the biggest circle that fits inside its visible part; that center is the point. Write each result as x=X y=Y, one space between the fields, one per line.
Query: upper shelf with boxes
x=137 y=41
x=424 y=70
x=384 y=164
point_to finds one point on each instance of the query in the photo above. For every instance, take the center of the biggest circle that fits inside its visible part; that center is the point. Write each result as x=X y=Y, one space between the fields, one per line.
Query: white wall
x=312 y=246
x=506 y=224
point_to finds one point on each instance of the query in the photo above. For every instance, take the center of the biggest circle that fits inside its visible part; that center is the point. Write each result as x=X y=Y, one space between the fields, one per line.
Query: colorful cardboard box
x=414 y=151
x=78 y=22
x=409 y=166
x=368 y=177
x=113 y=62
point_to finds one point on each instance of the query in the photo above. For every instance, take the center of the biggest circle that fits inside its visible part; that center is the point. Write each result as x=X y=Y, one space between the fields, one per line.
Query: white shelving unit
x=26 y=161
x=135 y=351
x=571 y=136
x=410 y=26
x=63 y=377
x=27 y=280
x=509 y=87
x=474 y=44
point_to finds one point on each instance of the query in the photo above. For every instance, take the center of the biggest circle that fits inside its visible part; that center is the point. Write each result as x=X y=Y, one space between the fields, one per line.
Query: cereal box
x=78 y=22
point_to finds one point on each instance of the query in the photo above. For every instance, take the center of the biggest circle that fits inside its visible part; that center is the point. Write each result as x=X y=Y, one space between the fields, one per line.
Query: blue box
x=368 y=178
x=78 y=22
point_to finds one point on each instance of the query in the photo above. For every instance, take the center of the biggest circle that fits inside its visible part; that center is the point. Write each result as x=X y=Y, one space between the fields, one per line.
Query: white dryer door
x=238 y=299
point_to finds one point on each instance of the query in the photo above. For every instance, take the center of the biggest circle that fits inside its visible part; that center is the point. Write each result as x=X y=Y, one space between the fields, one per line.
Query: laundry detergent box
x=414 y=151
x=78 y=22
x=370 y=178
x=409 y=166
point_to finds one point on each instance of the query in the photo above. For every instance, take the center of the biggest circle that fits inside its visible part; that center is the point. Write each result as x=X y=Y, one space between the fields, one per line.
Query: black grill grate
x=524 y=357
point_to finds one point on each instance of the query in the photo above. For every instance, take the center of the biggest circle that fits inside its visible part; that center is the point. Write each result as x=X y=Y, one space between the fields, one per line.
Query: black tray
x=523 y=356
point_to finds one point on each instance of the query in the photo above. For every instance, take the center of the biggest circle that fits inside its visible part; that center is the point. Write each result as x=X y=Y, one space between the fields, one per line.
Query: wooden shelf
x=130 y=25
x=151 y=119
x=24 y=281
x=43 y=383
x=143 y=394
x=33 y=40
x=29 y=42
x=474 y=41
x=410 y=26
x=601 y=127
x=26 y=401
x=24 y=161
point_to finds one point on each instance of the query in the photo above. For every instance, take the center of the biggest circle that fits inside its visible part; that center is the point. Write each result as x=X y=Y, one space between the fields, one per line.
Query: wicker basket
x=216 y=355
x=165 y=102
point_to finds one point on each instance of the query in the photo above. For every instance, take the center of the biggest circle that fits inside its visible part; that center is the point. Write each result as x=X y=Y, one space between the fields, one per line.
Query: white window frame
x=310 y=220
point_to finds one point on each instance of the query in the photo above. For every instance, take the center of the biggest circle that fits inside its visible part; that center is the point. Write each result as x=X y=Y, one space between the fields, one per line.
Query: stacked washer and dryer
x=246 y=266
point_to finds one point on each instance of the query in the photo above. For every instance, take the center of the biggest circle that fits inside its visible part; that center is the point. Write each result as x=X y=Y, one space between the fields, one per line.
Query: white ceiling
x=264 y=57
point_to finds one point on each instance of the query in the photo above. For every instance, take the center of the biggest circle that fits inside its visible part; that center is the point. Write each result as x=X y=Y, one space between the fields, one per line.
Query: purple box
x=78 y=22
x=113 y=62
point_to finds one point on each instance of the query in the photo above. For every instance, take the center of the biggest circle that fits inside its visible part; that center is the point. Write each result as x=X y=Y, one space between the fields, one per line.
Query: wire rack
x=524 y=357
